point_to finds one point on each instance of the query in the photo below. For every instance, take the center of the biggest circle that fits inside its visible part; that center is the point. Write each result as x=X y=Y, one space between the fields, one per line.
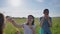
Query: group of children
x=30 y=27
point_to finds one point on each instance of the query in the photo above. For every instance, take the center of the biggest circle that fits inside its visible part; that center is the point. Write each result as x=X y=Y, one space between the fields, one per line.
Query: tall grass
x=10 y=29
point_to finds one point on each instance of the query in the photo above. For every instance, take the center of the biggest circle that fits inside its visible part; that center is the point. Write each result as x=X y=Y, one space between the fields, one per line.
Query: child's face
x=46 y=13
x=30 y=20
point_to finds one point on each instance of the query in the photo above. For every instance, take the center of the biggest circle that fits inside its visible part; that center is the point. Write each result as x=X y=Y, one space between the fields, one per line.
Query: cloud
x=21 y=12
x=15 y=3
x=24 y=11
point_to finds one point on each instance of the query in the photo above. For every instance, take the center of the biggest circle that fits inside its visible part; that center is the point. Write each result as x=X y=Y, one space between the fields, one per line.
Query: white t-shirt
x=27 y=29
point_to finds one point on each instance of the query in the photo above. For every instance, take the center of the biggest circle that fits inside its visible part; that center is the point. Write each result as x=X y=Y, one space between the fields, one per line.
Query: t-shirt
x=27 y=29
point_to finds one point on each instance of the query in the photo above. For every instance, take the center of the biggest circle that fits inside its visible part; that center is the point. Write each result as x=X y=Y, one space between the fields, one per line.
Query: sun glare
x=15 y=3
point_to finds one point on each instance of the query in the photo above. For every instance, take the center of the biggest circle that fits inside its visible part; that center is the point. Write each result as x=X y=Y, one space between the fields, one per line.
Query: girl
x=46 y=22
x=2 y=24
x=29 y=27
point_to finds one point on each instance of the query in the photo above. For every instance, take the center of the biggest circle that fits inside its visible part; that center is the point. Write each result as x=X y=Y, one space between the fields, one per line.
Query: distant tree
x=23 y=17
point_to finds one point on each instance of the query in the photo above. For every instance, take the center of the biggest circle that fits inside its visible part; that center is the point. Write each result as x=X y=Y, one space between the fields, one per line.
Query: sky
x=23 y=8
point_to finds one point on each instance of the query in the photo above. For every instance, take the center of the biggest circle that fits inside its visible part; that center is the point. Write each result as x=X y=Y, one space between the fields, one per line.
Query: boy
x=46 y=22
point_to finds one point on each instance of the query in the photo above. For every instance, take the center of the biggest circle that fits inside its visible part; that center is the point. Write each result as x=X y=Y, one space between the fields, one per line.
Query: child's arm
x=17 y=25
x=50 y=21
x=14 y=23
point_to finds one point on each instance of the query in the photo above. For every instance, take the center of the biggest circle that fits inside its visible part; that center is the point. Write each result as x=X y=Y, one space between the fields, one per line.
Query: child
x=29 y=27
x=46 y=22
x=2 y=24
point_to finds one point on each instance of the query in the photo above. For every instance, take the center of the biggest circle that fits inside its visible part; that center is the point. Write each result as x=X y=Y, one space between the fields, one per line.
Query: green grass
x=10 y=29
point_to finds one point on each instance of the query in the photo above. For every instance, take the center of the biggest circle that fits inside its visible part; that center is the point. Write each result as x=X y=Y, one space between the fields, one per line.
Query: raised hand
x=10 y=19
x=47 y=17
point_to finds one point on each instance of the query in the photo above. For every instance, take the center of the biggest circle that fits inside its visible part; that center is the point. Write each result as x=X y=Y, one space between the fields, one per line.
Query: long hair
x=32 y=21
x=1 y=23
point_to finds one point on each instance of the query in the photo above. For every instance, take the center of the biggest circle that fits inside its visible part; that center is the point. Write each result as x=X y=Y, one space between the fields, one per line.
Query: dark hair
x=46 y=10
x=7 y=16
x=1 y=23
x=33 y=19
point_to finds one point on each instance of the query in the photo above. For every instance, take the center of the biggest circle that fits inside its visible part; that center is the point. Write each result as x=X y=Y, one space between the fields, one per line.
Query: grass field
x=10 y=29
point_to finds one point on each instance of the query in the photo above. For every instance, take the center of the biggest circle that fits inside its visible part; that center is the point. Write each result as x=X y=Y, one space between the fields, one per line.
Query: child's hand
x=10 y=19
x=47 y=18
x=42 y=19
